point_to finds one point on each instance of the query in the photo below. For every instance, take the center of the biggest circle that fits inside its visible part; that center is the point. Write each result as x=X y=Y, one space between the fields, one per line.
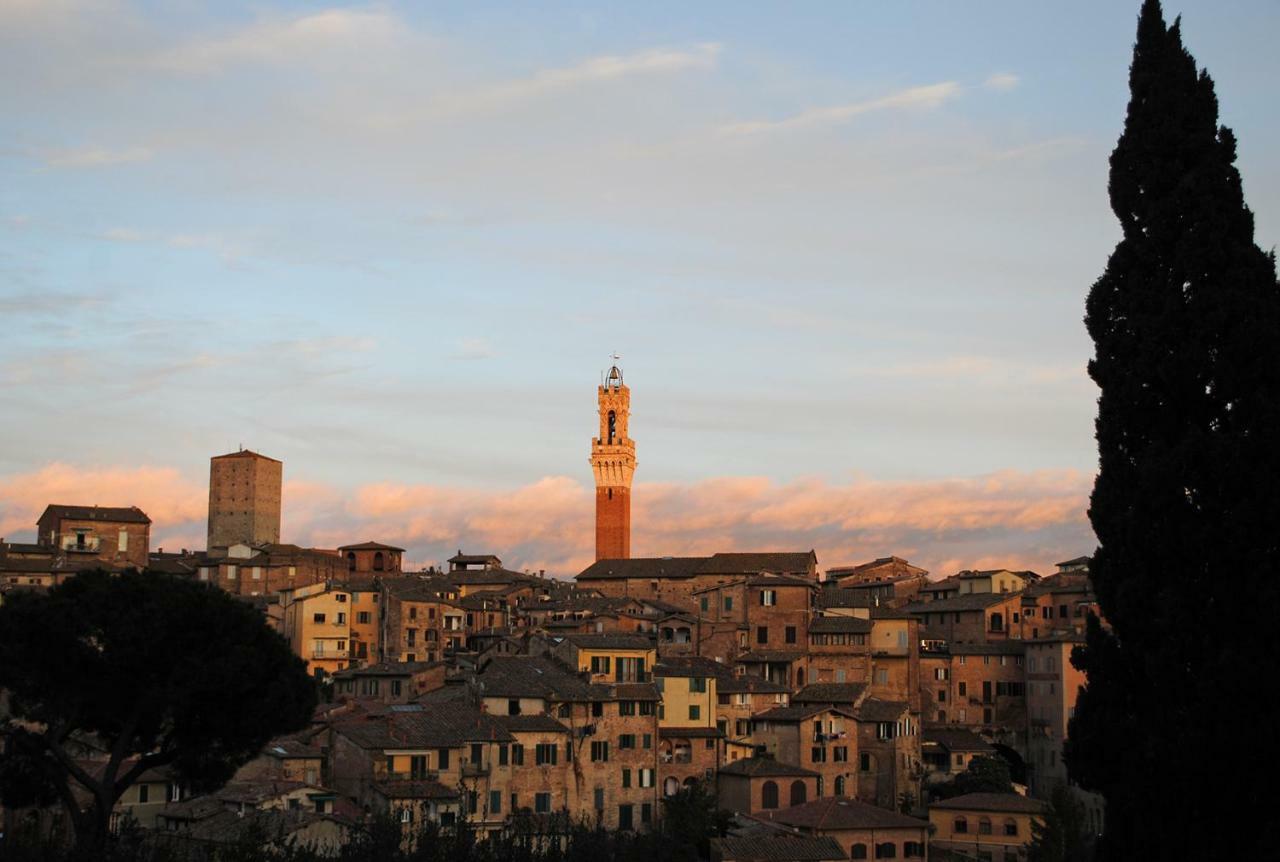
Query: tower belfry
x=613 y=459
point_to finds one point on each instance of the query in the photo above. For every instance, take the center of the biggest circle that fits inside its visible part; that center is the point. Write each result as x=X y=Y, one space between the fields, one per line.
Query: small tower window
x=613 y=426
x=351 y=561
x=377 y=561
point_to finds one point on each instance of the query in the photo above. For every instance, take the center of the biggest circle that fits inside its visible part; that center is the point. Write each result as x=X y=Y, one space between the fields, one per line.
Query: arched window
x=377 y=561
x=887 y=850
x=960 y=826
x=613 y=426
x=351 y=561
x=798 y=792
x=912 y=850
x=984 y=825
x=769 y=795
x=858 y=851
x=997 y=622
x=799 y=677
x=1010 y=826
x=839 y=785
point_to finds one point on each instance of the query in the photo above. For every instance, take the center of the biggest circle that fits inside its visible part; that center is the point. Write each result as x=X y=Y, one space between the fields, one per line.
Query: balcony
x=474 y=770
x=89 y=545
x=322 y=654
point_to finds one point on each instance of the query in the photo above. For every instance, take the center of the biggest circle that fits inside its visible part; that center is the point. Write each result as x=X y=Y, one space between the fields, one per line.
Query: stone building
x=984 y=826
x=266 y=569
x=674 y=579
x=368 y=560
x=111 y=535
x=757 y=784
x=244 y=499
x=863 y=831
x=613 y=460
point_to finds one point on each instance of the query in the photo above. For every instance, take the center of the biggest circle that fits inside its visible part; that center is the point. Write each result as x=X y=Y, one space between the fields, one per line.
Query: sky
x=842 y=249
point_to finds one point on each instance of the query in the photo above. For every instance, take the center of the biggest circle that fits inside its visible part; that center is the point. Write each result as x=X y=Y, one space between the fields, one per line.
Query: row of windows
x=889 y=850
x=961 y=826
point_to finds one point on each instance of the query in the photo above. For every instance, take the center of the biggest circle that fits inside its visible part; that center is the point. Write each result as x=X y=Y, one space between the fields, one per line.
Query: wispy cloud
x=924 y=98
x=1024 y=519
x=93 y=157
x=1001 y=81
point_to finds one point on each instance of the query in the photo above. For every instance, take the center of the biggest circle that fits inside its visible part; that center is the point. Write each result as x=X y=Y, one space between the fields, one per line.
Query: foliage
x=1186 y=326
x=1061 y=837
x=153 y=670
x=983 y=775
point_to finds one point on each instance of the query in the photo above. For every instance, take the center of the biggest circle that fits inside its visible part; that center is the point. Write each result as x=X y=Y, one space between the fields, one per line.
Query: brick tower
x=613 y=458
x=244 y=499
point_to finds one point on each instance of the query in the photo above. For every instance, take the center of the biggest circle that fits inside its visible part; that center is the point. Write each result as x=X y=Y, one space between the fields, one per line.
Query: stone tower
x=613 y=458
x=244 y=499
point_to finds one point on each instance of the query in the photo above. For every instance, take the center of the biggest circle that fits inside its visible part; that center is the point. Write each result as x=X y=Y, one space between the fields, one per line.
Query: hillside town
x=823 y=707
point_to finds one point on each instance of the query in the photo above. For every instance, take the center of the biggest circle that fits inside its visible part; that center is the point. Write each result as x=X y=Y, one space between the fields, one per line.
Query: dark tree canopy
x=1186 y=326
x=984 y=774
x=155 y=670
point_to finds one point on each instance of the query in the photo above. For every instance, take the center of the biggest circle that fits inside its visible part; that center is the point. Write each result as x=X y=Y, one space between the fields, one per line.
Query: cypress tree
x=1173 y=727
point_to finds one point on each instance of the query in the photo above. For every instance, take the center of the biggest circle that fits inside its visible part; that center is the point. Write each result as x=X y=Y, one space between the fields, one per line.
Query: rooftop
x=1001 y=802
x=763 y=766
x=840 y=813
x=112 y=514
x=778 y=848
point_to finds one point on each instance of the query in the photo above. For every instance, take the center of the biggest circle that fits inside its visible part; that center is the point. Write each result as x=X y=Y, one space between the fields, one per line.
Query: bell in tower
x=613 y=460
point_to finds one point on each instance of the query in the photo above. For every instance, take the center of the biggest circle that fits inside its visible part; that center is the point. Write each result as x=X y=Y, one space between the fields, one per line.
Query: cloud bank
x=1009 y=518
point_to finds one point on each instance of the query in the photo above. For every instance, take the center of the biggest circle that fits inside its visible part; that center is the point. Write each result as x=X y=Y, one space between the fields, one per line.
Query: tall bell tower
x=613 y=459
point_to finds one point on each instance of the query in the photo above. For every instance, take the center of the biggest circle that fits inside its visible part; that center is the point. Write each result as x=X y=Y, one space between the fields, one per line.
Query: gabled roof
x=245 y=453
x=444 y=725
x=110 y=514
x=530 y=723
x=788 y=714
x=1013 y=803
x=532 y=676
x=956 y=739
x=771 y=562
x=763 y=766
x=691 y=666
x=874 y=709
x=966 y=602
x=830 y=692
x=467 y=559
x=839 y=625
x=610 y=640
x=370 y=546
x=837 y=813
x=778 y=848
x=642 y=567
x=768 y=562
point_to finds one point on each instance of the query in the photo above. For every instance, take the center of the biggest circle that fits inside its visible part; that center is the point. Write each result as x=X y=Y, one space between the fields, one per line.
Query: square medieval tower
x=244 y=499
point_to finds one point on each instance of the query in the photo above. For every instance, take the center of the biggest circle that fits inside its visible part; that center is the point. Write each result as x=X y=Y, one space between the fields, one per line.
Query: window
x=882 y=676
x=379 y=563
x=960 y=826
x=600 y=751
x=728 y=603
x=840 y=754
x=942 y=695
x=599 y=798
x=517 y=754
x=413 y=612
x=790 y=634
x=257 y=576
x=544 y=754
x=144 y=792
x=625 y=817
x=363 y=618
x=646 y=777
x=597 y=709
x=647 y=740
x=351 y=561
x=698 y=684
x=769 y=795
x=912 y=850
x=799 y=793
x=941 y=674
x=502 y=755
x=646 y=812
x=818 y=754
x=984 y=825
x=695 y=712
x=406 y=815
x=495 y=801
x=768 y=597
x=962 y=689
x=866 y=763
x=762 y=634
x=627 y=740
x=318 y=618
x=887 y=850
x=705 y=604
x=231 y=573
x=646 y=707
x=542 y=803
x=858 y=851
x=626 y=707
x=342 y=618
x=513 y=706
x=1010 y=826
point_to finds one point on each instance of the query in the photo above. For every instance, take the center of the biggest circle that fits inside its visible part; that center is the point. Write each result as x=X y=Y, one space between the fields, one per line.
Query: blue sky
x=393 y=245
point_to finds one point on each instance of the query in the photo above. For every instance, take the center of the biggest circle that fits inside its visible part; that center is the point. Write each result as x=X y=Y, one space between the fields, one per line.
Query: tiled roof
x=762 y=766
x=691 y=666
x=874 y=709
x=245 y=453
x=838 y=597
x=830 y=692
x=793 y=713
x=610 y=640
x=773 y=562
x=112 y=514
x=467 y=559
x=1002 y=802
x=839 y=625
x=966 y=602
x=750 y=684
x=642 y=567
x=532 y=676
x=778 y=848
x=388 y=668
x=410 y=789
x=444 y=725
x=840 y=812
x=635 y=691
x=760 y=656
x=370 y=546
x=956 y=739
x=530 y=723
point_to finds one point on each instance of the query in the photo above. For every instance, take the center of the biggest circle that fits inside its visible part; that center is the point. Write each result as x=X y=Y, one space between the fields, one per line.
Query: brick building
x=244 y=499
x=368 y=560
x=613 y=460
x=111 y=535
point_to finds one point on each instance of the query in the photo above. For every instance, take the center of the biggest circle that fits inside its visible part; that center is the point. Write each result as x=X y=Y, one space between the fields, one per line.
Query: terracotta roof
x=465 y=559
x=244 y=453
x=642 y=567
x=370 y=546
x=530 y=723
x=532 y=676
x=795 y=713
x=956 y=739
x=874 y=709
x=112 y=514
x=839 y=597
x=1002 y=802
x=839 y=625
x=830 y=692
x=772 y=562
x=966 y=602
x=444 y=725
x=778 y=848
x=763 y=766
x=840 y=813
x=610 y=640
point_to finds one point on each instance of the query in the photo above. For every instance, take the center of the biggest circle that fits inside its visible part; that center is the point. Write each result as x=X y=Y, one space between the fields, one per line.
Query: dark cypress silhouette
x=1186 y=508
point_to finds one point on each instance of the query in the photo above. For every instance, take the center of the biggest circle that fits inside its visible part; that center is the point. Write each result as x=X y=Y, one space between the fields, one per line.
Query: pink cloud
x=1009 y=518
